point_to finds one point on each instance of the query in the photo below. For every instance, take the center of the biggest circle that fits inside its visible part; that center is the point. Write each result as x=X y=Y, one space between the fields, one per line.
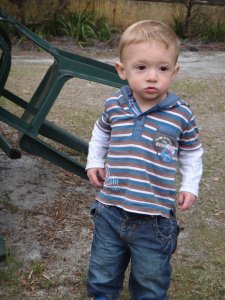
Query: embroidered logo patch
x=164 y=145
x=167 y=153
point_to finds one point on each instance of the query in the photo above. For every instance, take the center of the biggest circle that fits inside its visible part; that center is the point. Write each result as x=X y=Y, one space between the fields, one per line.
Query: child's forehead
x=148 y=43
x=145 y=48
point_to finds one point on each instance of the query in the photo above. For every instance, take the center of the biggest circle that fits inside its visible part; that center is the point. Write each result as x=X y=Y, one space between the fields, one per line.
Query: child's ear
x=120 y=70
x=176 y=70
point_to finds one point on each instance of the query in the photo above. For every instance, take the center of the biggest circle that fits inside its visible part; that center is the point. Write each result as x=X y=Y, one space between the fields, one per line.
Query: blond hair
x=149 y=30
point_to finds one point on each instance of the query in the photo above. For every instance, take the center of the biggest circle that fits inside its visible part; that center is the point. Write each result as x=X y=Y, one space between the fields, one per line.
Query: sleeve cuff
x=189 y=189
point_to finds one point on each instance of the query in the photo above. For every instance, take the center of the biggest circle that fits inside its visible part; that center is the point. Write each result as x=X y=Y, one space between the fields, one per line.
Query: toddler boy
x=133 y=153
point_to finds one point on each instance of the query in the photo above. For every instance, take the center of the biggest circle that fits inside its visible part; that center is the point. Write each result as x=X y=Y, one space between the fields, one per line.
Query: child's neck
x=148 y=104
x=145 y=106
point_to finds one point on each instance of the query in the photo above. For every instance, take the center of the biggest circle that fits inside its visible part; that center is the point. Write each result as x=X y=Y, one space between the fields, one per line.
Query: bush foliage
x=200 y=28
x=85 y=28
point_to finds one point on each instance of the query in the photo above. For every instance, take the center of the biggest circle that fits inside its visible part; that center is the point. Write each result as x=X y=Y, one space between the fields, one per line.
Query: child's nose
x=152 y=75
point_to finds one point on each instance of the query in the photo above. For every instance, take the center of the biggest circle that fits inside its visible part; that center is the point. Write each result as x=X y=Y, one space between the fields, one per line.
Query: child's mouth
x=151 y=89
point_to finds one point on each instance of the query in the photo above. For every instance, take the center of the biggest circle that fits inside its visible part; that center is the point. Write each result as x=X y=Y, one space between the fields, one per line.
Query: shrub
x=200 y=28
x=79 y=26
x=104 y=30
x=215 y=32
x=84 y=27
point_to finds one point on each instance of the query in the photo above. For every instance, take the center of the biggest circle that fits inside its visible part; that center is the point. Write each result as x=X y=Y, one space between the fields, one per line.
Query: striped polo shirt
x=141 y=162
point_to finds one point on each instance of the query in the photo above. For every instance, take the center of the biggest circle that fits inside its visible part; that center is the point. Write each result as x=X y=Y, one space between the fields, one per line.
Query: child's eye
x=141 y=67
x=163 y=69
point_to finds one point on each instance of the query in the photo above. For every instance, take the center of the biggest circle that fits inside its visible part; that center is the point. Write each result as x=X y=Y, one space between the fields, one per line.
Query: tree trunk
x=189 y=4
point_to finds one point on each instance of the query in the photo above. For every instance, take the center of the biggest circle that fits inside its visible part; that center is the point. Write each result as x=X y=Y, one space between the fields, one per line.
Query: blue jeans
x=121 y=237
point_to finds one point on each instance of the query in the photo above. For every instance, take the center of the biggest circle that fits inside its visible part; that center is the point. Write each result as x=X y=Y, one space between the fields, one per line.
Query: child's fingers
x=95 y=179
x=185 y=200
x=101 y=173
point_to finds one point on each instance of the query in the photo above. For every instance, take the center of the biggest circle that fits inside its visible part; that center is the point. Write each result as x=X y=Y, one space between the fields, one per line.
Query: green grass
x=2 y=101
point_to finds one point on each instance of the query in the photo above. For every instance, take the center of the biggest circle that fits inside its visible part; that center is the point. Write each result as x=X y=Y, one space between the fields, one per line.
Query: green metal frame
x=33 y=122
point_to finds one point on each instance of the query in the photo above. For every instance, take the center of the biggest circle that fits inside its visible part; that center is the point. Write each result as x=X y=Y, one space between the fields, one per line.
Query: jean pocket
x=164 y=229
x=176 y=232
x=93 y=210
x=96 y=208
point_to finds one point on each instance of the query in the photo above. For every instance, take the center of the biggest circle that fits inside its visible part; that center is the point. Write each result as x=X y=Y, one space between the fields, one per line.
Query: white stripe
x=142 y=159
x=131 y=210
x=190 y=130
x=163 y=188
x=189 y=140
x=147 y=137
x=178 y=115
x=140 y=169
x=190 y=148
x=188 y=109
x=146 y=193
x=147 y=181
x=123 y=124
x=134 y=146
x=112 y=107
x=113 y=98
x=134 y=201
x=164 y=121
x=150 y=127
x=121 y=135
x=121 y=116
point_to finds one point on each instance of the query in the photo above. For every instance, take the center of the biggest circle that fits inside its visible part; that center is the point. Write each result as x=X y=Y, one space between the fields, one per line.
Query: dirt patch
x=44 y=216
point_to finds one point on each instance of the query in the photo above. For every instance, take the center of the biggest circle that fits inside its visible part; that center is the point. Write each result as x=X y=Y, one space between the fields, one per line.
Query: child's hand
x=96 y=176
x=185 y=200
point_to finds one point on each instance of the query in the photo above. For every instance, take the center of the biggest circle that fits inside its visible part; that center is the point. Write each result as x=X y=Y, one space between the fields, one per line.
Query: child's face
x=149 y=68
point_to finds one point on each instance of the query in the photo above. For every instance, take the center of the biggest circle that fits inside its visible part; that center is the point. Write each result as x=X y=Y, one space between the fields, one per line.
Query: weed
x=79 y=26
x=38 y=268
x=104 y=30
x=10 y=270
x=48 y=283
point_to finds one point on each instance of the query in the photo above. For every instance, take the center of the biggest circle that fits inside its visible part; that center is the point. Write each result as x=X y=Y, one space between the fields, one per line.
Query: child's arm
x=191 y=172
x=98 y=149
